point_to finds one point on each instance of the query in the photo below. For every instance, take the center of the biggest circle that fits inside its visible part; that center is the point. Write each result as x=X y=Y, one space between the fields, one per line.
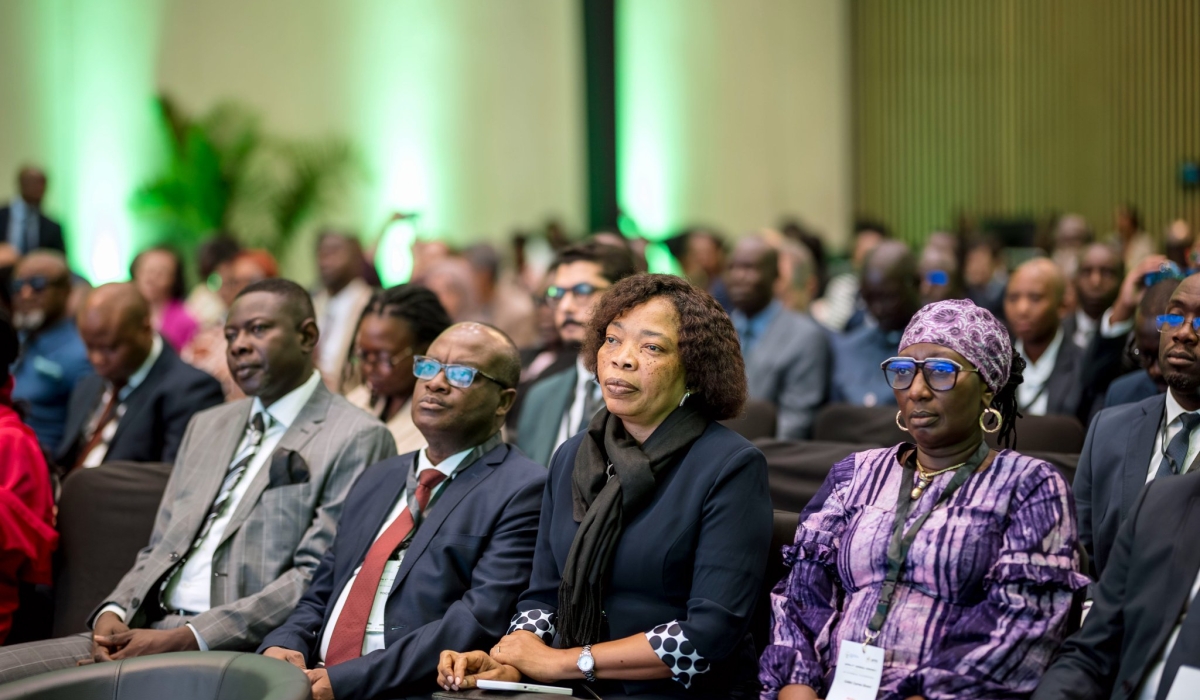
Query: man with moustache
x=53 y=358
x=441 y=543
x=1128 y=446
x=250 y=507
x=561 y=404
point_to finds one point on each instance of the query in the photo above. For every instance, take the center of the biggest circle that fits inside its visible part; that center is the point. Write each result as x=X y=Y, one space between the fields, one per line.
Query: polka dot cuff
x=540 y=622
x=677 y=652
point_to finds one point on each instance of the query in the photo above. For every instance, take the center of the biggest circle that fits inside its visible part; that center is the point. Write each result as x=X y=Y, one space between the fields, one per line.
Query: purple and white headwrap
x=967 y=329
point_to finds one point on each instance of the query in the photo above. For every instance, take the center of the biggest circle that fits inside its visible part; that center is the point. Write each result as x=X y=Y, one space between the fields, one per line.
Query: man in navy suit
x=22 y=223
x=434 y=546
x=138 y=404
x=1128 y=446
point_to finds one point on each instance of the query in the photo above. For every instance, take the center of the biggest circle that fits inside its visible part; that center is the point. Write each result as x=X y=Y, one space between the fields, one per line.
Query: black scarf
x=602 y=506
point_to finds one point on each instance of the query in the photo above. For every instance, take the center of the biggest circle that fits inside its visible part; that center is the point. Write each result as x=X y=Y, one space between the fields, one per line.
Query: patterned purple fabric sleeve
x=804 y=604
x=1003 y=645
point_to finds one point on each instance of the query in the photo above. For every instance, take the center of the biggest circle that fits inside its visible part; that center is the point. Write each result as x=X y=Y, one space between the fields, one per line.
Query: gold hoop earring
x=999 y=420
x=899 y=424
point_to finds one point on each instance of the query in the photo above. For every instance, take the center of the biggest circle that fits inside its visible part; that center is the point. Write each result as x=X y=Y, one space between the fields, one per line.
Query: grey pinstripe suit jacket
x=275 y=537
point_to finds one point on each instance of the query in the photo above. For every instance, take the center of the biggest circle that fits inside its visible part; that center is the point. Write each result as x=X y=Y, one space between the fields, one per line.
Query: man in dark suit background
x=1033 y=307
x=558 y=405
x=1147 y=381
x=786 y=353
x=138 y=404
x=22 y=222
x=448 y=532
x=1141 y=629
x=1127 y=446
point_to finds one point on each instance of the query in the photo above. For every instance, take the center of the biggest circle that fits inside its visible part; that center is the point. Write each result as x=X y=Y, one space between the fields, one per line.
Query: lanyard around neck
x=902 y=540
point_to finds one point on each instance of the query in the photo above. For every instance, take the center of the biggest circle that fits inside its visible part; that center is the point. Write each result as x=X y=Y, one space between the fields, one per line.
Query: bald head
x=1033 y=301
x=454 y=418
x=891 y=285
x=753 y=269
x=31 y=184
x=114 y=324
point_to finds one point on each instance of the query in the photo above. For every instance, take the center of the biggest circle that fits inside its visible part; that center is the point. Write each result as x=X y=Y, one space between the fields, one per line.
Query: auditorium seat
x=759 y=419
x=190 y=675
x=783 y=533
x=105 y=517
x=876 y=426
x=797 y=468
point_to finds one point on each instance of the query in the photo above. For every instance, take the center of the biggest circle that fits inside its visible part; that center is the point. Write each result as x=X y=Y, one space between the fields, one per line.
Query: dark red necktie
x=351 y=627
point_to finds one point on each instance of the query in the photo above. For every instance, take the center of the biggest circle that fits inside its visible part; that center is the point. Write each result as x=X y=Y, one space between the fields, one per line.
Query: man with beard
x=559 y=405
x=786 y=353
x=1129 y=446
x=53 y=358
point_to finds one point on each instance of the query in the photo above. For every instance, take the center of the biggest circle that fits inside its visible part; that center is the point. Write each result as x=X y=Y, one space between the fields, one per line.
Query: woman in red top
x=27 y=535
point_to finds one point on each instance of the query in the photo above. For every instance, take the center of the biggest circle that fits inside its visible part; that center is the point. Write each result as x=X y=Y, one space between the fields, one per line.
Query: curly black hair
x=708 y=343
x=1005 y=401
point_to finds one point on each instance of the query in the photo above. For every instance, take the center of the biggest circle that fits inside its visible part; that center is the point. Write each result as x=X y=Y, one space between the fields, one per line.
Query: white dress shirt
x=373 y=640
x=584 y=383
x=96 y=456
x=1154 y=675
x=1085 y=329
x=1174 y=425
x=1033 y=389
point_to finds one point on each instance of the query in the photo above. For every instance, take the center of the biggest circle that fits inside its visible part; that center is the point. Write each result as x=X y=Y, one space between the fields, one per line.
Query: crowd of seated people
x=533 y=472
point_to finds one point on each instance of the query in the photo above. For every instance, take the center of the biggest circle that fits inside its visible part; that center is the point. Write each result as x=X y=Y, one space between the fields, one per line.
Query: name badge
x=859 y=672
x=375 y=620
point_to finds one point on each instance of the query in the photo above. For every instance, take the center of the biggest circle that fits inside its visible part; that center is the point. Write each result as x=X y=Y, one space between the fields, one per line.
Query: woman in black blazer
x=656 y=520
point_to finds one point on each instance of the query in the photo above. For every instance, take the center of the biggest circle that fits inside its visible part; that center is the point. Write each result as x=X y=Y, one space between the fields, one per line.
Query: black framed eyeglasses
x=1171 y=322
x=582 y=290
x=460 y=376
x=380 y=359
x=940 y=374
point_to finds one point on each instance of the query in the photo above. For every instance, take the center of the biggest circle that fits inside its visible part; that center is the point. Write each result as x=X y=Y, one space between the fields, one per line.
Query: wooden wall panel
x=1004 y=108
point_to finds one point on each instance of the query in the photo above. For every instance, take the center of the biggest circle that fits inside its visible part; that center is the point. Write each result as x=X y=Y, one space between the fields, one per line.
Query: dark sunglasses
x=940 y=374
x=1170 y=322
x=37 y=283
x=459 y=376
x=581 y=291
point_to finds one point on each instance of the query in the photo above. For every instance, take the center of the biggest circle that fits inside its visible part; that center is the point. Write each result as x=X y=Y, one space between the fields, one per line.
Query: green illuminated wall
x=733 y=113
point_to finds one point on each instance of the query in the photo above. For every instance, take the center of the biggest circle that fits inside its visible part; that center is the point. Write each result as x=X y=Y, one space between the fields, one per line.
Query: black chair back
x=189 y=675
x=783 y=533
x=797 y=468
x=863 y=425
x=759 y=420
x=105 y=517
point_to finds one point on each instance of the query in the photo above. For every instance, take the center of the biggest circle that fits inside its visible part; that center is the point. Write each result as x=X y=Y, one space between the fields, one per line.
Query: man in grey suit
x=559 y=405
x=1128 y=446
x=786 y=353
x=249 y=510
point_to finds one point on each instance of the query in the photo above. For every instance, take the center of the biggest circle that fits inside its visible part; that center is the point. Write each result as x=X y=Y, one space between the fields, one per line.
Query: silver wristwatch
x=586 y=664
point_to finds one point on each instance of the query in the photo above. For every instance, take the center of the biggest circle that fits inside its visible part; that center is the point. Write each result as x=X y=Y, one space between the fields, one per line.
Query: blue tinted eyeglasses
x=459 y=376
x=940 y=374
x=1170 y=322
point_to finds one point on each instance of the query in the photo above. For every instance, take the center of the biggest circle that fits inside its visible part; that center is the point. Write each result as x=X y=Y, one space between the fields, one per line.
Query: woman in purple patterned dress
x=959 y=562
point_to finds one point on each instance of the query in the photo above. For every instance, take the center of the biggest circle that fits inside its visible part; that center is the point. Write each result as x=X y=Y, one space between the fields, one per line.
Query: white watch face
x=586 y=663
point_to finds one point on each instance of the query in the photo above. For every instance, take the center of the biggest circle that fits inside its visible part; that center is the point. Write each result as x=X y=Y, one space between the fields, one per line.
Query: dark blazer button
x=174 y=556
x=135 y=603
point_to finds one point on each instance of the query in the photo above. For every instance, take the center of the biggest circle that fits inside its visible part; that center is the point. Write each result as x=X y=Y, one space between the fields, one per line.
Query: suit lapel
x=305 y=427
x=770 y=338
x=371 y=520
x=212 y=465
x=133 y=403
x=455 y=491
x=1138 y=452
x=74 y=431
x=1063 y=379
x=561 y=396
x=1176 y=588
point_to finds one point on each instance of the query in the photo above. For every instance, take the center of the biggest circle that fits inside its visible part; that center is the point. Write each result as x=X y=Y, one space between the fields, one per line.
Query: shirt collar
x=136 y=379
x=757 y=323
x=446 y=466
x=1174 y=410
x=1085 y=323
x=1048 y=358
x=582 y=375
x=284 y=411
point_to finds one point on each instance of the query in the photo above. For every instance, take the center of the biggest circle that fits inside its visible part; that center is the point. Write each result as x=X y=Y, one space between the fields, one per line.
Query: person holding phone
x=656 y=520
x=957 y=562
